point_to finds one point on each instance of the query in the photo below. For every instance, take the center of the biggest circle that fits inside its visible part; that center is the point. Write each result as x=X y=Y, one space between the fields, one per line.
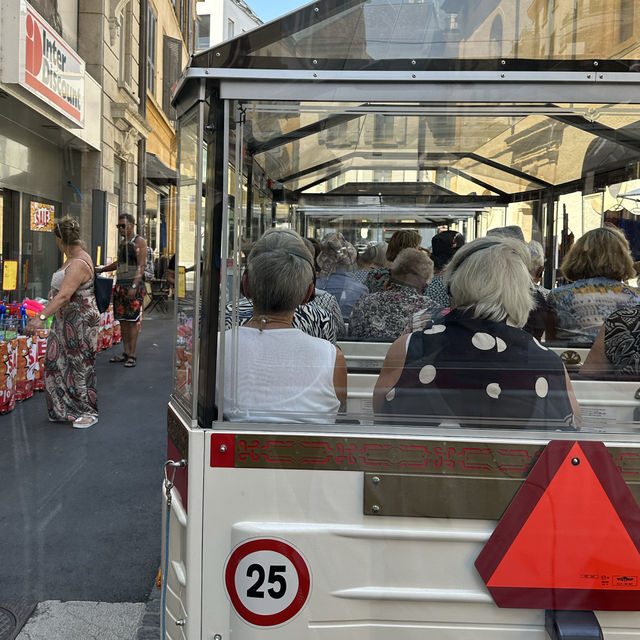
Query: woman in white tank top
x=273 y=372
x=72 y=344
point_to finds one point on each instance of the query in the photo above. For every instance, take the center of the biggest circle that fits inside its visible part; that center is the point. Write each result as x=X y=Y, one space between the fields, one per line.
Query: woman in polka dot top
x=477 y=367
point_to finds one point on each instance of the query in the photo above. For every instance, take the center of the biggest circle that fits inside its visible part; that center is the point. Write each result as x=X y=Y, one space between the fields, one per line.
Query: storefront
x=50 y=112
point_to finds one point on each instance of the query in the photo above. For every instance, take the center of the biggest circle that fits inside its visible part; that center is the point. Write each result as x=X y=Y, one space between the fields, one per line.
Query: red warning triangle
x=571 y=537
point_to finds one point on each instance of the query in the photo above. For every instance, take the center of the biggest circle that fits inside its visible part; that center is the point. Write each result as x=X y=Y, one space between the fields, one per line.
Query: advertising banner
x=36 y=57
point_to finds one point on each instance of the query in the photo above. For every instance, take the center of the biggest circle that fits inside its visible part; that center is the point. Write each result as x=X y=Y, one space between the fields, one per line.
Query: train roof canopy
x=384 y=35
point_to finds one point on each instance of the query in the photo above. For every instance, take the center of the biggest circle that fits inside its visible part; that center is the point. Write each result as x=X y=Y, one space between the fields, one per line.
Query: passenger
x=597 y=266
x=323 y=298
x=403 y=239
x=536 y=251
x=616 y=349
x=274 y=372
x=384 y=314
x=477 y=367
x=335 y=262
x=443 y=247
x=510 y=231
x=541 y=315
x=373 y=256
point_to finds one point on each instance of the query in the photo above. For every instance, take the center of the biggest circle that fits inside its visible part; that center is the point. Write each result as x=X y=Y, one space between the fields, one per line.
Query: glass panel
x=481 y=150
x=452 y=169
x=187 y=237
x=386 y=34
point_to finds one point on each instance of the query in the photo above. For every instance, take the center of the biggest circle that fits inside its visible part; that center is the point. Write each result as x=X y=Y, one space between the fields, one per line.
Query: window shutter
x=171 y=68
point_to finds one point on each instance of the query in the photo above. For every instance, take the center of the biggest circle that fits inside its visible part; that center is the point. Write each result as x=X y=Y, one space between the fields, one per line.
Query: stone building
x=170 y=36
x=220 y=20
x=51 y=111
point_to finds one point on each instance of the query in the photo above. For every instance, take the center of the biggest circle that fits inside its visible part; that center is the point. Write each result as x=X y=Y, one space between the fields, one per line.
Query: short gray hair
x=280 y=270
x=536 y=252
x=492 y=281
x=412 y=262
x=374 y=253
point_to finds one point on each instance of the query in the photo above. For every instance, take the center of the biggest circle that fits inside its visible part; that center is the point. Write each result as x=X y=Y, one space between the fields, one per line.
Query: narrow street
x=80 y=514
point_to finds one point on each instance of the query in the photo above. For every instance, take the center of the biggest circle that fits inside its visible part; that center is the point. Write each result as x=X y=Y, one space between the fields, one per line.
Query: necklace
x=262 y=322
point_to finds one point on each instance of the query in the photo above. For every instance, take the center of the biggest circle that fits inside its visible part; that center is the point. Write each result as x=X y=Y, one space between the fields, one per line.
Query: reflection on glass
x=372 y=33
x=186 y=258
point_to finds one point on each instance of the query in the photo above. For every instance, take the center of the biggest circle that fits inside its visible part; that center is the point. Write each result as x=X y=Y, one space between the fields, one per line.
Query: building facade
x=220 y=20
x=50 y=122
x=170 y=37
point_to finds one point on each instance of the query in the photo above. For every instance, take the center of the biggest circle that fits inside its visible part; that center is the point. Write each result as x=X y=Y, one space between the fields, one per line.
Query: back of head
x=412 y=262
x=336 y=253
x=490 y=278
x=443 y=247
x=603 y=253
x=403 y=239
x=68 y=230
x=373 y=253
x=510 y=231
x=536 y=251
x=279 y=271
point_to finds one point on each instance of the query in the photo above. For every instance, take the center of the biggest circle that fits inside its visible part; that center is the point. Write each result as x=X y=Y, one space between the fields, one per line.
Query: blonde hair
x=492 y=281
x=68 y=230
x=602 y=252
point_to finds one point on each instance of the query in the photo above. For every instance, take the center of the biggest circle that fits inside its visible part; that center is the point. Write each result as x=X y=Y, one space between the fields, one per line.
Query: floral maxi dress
x=70 y=380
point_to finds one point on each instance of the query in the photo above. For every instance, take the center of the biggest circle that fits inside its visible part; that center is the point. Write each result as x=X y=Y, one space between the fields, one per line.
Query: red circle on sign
x=277 y=546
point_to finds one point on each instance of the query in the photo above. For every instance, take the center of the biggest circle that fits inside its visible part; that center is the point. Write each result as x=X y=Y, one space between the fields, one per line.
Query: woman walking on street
x=69 y=374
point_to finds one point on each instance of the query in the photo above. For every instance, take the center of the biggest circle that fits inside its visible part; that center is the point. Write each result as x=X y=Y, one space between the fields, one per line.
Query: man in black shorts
x=128 y=294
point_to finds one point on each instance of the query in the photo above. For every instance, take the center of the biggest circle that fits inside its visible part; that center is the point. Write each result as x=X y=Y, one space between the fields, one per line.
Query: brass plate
x=437 y=496
x=425 y=496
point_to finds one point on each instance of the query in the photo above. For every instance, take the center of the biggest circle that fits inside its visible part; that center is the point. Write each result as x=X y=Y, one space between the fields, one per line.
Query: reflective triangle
x=572 y=532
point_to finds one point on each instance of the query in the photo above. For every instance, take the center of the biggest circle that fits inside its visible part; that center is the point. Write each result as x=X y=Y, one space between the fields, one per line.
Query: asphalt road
x=80 y=510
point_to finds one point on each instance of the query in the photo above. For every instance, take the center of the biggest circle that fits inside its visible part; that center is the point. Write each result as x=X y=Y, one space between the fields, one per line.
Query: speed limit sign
x=268 y=581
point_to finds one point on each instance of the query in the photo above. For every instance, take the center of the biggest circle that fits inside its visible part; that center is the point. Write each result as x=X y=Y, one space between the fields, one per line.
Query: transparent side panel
x=405 y=307
x=187 y=238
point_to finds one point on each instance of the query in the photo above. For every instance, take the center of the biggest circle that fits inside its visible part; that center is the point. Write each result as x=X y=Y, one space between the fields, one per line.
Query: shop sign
x=42 y=216
x=45 y=65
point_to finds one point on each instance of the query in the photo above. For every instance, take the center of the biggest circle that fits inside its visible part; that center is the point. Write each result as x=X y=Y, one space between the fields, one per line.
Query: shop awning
x=158 y=172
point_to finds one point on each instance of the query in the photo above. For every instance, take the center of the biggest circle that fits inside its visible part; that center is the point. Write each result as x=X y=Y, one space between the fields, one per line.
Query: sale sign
x=42 y=216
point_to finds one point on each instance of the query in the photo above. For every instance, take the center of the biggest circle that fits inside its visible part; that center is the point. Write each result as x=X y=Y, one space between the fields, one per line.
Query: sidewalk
x=55 y=620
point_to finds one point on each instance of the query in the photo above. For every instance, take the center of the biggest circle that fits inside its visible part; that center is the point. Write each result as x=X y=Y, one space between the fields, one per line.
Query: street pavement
x=80 y=513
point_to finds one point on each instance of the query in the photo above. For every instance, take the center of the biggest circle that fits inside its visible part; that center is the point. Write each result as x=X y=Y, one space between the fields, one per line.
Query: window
x=171 y=67
x=204 y=31
x=151 y=50
x=120 y=182
x=124 y=22
x=230 y=28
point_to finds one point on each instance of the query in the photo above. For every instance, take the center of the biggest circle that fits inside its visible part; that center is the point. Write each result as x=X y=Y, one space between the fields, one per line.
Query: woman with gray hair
x=274 y=372
x=336 y=262
x=477 y=366
x=384 y=314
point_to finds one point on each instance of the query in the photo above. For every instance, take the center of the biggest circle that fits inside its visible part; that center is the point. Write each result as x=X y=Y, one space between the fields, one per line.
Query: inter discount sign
x=268 y=581
x=52 y=69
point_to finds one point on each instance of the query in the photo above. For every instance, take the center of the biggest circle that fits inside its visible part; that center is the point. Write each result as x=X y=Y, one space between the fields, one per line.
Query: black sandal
x=131 y=362
x=120 y=358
